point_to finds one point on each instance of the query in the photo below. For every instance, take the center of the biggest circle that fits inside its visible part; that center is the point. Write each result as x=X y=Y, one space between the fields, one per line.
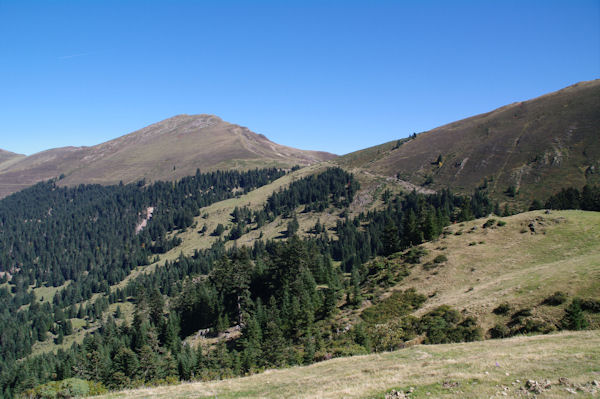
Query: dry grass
x=540 y=146
x=510 y=266
x=481 y=369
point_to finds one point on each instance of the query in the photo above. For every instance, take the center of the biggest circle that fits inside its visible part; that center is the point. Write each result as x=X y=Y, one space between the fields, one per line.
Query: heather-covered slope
x=536 y=146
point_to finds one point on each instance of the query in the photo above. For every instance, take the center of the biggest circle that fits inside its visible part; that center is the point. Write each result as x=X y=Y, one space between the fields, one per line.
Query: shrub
x=445 y=325
x=519 y=316
x=502 y=309
x=591 y=305
x=574 y=318
x=440 y=259
x=535 y=326
x=558 y=298
x=501 y=223
x=489 y=223
x=68 y=388
x=499 y=331
x=414 y=255
x=393 y=334
x=399 y=304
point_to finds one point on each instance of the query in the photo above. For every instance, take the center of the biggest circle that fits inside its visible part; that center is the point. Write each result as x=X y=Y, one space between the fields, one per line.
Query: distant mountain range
x=166 y=150
x=530 y=149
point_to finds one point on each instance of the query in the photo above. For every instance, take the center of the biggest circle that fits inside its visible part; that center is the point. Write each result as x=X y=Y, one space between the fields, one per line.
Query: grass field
x=472 y=370
x=490 y=266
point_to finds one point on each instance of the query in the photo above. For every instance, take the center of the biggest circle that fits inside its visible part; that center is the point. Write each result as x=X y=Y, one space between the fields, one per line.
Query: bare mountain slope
x=166 y=150
x=537 y=146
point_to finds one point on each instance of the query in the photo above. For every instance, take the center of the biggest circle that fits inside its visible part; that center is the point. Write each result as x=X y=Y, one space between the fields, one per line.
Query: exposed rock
x=395 y=394
x=538 y=387
x=449 y=384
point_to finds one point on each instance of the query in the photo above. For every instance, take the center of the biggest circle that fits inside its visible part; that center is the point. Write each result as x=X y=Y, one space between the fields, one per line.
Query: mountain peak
x=166 y=150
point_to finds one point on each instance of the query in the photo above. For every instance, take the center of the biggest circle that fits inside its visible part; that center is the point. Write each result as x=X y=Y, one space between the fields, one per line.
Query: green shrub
x=502 y=309
x=71 y=387
x=558 y=298
x=393 y=334
x=399 y=304
x=445 y=325
x=499 y=331
x=414 y=255
x=440 y=259
x=590 y=305
x=535 y=326
x=501 y=223
x=489 y=223
x=574 y=319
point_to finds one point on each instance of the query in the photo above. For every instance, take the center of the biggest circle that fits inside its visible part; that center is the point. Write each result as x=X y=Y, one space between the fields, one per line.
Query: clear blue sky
x=329 y=75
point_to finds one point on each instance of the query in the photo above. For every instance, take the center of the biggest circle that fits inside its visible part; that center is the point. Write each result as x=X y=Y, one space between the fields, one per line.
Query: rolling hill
x=166 y=150
x=536 y=146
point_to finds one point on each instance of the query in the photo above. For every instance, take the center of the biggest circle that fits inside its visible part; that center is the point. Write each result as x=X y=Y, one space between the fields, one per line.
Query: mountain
x=166 y=150
x=7 y=158
x=536 y=146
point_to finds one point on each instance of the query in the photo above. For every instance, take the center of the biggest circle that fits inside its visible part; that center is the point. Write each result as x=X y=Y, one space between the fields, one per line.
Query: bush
x=502 y=309
x=535 y=326
x=440 y=259
x=558 y=298
x=414 y=255
x=591 y=305
x=446 y=325
x=501 y=223
x=489 y=223
x=499 y=331
x=574 y=318
x=392 y=335
x=71 y=387
x=399 y=304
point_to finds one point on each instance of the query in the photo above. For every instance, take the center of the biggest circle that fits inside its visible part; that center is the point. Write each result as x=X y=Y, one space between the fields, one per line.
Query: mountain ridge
x=536 y=146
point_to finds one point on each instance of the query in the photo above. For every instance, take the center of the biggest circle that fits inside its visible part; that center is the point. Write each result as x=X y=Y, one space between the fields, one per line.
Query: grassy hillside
x=537 y=146
x=486 y=267
x=167 y=150
x=472 y=370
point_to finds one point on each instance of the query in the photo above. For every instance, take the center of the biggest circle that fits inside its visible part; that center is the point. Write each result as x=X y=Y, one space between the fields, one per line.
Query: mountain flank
x=521 y=151
x=167 y=150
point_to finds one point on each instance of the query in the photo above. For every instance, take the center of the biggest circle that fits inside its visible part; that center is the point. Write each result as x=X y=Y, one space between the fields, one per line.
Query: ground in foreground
x=493 y=368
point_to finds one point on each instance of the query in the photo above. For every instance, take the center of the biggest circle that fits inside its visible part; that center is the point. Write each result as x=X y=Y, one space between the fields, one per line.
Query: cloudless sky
x=325 y=75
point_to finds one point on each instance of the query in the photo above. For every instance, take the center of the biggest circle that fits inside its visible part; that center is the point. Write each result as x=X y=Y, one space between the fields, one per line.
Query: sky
x=336 y=76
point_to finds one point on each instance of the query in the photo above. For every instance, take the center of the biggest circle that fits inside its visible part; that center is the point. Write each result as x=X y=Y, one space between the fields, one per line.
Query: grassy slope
x=511 y=266
x=473 y=365
x=539 y=146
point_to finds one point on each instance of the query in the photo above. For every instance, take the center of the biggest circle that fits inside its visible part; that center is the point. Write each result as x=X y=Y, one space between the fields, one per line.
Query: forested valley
x=268 y=305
